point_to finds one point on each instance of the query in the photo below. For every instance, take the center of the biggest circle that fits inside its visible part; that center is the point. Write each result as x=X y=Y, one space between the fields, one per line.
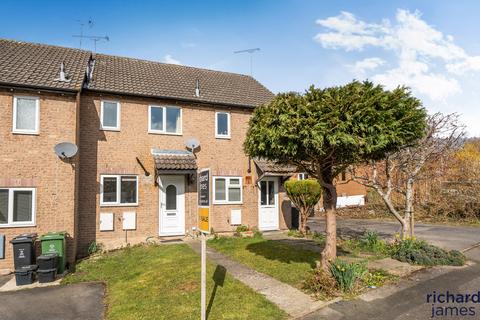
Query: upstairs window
x=118 y=190
x=26 y=115
x=17 y=207
x=110 y=115
x=222 y=125
x=165 y=120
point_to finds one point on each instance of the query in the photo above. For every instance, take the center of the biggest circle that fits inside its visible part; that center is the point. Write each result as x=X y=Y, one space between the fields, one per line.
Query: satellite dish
x=66 y=150
x=192 y=143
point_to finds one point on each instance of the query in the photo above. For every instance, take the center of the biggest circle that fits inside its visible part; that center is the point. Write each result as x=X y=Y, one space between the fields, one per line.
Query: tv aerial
x=95 y=39
x=250 y=52
x=65 y=150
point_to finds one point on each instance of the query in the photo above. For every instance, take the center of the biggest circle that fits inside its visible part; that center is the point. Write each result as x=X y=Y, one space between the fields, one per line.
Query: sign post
x=204 y=227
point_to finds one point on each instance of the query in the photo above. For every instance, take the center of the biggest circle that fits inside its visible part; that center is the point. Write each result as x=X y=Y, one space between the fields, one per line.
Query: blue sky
x=431 y=46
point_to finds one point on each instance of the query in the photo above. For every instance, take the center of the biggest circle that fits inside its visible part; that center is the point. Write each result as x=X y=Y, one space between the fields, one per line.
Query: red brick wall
x=115 y=152
x=29 y=161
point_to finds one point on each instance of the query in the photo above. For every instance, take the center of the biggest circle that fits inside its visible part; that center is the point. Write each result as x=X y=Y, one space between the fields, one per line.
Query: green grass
x=278 y=260
x=163 y=282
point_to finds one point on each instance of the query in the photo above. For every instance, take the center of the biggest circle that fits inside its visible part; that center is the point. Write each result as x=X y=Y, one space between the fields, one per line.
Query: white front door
x=268 y=217
x=172 y=205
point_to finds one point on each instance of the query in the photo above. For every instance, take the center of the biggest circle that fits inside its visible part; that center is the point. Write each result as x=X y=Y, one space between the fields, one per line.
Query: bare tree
x=398 y=173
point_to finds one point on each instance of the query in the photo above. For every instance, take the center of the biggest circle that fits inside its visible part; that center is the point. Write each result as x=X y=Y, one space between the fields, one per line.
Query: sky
x=430 y=46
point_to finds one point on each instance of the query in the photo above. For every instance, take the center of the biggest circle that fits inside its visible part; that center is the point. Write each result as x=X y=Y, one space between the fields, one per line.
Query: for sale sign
x=204 y=200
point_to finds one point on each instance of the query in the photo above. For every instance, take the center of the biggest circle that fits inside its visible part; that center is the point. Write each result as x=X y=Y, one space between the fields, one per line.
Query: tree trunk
x=303 y=221
x=329 y=253
x=409 y=198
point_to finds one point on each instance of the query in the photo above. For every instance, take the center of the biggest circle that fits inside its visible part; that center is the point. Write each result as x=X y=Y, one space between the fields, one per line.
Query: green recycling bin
x=55 y=242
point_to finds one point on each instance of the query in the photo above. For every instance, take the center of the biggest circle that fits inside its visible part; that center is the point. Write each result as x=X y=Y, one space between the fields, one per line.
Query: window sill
x=109 y=129
x=223 y=137
x=31 y=133
x=29 y=225
x=166 y=133
x=228 y=203
x=118 y=204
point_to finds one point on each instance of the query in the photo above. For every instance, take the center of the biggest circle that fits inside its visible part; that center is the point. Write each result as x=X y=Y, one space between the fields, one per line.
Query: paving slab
x=393 y=266
x=291 y=300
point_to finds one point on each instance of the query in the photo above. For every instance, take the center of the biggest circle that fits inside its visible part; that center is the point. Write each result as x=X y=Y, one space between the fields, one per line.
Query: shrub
x=370 y=241
x=242 y=228
x=305 y=194
x=377 y=278
x=347 y=274
x=318 y=237
x=421 y=253
x=295 y=233
x=321 y=284
x=94 y=247
x=257 y=233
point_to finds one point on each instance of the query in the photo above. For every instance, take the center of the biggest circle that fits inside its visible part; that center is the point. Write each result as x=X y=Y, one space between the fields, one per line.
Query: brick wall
x=113 y=152
x=29 y=161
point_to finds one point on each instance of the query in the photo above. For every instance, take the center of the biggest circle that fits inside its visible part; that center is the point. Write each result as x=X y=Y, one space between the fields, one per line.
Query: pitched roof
x=38 y=65
x=271 y=168
x=174 y=160
x=134 y=76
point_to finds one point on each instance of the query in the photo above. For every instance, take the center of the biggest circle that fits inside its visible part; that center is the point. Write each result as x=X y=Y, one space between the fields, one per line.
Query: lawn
x=162 y=282
x=279 y=260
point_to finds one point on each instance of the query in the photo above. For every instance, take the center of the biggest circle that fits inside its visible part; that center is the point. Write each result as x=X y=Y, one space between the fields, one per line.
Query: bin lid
x=24 y=238
x=54 y=270
x=47 y=256
x=53 y=236
x=31 y=267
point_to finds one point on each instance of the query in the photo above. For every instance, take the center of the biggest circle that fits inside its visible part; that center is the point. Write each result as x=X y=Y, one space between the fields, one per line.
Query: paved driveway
x=448 y=237
x=82 y=301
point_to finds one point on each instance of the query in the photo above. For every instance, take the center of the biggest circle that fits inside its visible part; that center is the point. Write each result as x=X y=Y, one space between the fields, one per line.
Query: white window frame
x=119 y=191
x=227 y=185
x=37 y=116
x=164 y=125
x=119 y=112
x=12 y=223
x=222 y=136
x=301 y=176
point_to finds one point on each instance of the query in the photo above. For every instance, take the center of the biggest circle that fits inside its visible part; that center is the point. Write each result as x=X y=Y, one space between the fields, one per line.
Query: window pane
x=26 y=114
x=234 y=194
x=22 y=206
x=110 y=189
x=156 y=118
x=271 y=193
x=222 y=124
x=3 y=206
x=128 y=189
x=235 y=181
x=110 y=111
x=171 y=195
x=220 y=189
x=173 y=120
x=263 y=193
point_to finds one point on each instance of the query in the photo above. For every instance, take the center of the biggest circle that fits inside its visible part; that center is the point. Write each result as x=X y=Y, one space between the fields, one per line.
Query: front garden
x=294 y=260
x=163 y=282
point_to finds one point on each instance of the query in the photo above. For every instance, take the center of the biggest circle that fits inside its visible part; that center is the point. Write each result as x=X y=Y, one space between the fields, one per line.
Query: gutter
x=11 y=86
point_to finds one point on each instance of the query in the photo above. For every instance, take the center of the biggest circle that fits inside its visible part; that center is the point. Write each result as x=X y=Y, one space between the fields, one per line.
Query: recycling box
x=55 y=242
x=24 y=250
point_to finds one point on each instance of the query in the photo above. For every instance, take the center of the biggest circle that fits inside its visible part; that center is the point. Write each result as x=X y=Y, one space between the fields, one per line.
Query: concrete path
x=291 y=300
x=82 y=301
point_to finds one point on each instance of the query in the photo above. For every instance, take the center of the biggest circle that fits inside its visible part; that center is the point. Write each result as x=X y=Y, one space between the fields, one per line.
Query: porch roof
x=174 y=160
x=272 y=168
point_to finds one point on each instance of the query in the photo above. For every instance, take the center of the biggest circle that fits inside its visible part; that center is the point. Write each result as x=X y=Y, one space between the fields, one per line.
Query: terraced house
x=133 y=178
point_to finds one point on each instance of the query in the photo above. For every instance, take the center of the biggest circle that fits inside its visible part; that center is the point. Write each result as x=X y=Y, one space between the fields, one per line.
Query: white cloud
x=169 y=59
x=426 y=60
x=368 y=64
